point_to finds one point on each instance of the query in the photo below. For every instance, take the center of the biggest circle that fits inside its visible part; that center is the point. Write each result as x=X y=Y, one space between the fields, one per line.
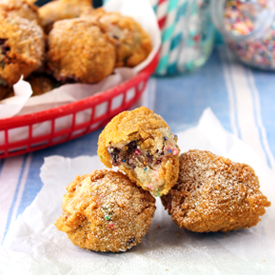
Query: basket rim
x=8 y=123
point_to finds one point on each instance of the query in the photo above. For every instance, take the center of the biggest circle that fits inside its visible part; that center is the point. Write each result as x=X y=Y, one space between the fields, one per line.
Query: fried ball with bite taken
x=79 y=52
x=22 y=48
x=141 y=144
x=214 y=194
x=61 y=9
x=133 y=43
x=104 y=211
x=21 y=8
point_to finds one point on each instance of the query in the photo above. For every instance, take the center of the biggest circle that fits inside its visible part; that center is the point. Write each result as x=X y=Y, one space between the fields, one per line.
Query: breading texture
x=5 y=92
x=133 y=43
x=214 y=194
x=21 y=8
x=61 y=9
x=141 y=144
x=41 y=83
x=22 y=48
x=79 y=52
x=104 y=211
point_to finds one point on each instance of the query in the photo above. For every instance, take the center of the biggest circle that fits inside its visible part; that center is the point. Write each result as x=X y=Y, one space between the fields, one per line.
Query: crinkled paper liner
x=34 y=246
x=22 y=103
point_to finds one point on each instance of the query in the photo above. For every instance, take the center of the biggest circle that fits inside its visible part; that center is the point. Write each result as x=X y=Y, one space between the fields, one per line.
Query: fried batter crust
x=104 y=211
x=79 y=52
x=22 y=48
x=21 y=8
x=61 y=9
x=214 y=194
x=133 y=43
x=146 y=127
x=41 y=83
x=5 y=92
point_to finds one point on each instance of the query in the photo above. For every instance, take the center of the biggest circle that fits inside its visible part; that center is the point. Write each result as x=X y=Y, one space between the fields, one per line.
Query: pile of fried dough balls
x=65 y=41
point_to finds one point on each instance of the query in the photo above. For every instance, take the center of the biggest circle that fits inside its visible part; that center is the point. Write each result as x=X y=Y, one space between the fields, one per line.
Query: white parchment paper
x=9 y=107
x=143 y=13
x=34 y=246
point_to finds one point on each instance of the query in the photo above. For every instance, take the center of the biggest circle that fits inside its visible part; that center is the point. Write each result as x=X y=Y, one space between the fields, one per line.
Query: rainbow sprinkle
x=239 y=19
x=111 y=226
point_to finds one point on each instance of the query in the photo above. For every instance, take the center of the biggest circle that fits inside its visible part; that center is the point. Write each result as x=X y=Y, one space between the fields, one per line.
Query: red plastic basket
x=100 y=108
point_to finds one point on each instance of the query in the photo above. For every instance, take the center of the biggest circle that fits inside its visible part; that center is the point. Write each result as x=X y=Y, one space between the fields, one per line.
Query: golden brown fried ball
x=133 y=43
x=104 y=211
x=22 y=48
x=214 y=194
x=5 y=92
x=79 y=52
x=21 y=8
x=42 y=83
x=141 y=144
x=61 y=9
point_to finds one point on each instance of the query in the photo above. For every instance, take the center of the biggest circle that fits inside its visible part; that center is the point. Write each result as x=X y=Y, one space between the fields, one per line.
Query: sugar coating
x=62 y=9
x=79 y=52
x=21 y=8
x=140 y=143
x=133 y=43
x=22 y=48
x=214 y=194
x=104 y=211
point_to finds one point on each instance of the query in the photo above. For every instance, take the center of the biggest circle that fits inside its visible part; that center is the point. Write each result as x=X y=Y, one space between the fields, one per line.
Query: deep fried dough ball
x=133 y=43
x=140 y=143
x=5 y=92
x=79 y=52
x=214 y=194
x=61 y=9
x=22 y=48
x=41 y=83
x=104 y=211
x=21 y=8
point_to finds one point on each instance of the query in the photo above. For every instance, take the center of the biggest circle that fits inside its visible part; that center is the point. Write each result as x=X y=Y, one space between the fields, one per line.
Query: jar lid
x=241 y=20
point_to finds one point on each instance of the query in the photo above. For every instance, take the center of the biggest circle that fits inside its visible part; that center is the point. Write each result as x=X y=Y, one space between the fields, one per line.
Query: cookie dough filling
x=146 y=163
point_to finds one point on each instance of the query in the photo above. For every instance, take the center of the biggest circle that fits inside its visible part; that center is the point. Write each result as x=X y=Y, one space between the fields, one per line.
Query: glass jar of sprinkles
x=248 y=28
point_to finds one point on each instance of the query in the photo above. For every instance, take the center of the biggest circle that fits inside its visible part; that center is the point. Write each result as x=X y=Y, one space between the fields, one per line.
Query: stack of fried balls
x=111 y=211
